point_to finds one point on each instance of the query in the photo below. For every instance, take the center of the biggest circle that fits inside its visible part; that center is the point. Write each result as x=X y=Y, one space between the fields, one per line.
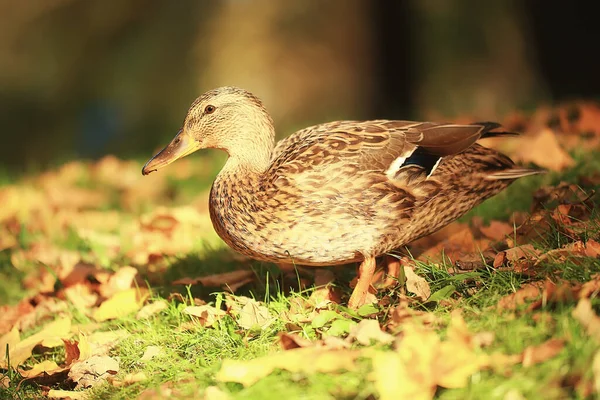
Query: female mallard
x=338 y=192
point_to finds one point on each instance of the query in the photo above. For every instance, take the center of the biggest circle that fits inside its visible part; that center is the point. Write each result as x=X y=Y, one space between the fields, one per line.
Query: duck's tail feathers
x=489 y=132
x=514 y=173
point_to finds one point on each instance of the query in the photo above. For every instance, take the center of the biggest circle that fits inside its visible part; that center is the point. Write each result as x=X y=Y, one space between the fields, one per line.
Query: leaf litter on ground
x=80 y=258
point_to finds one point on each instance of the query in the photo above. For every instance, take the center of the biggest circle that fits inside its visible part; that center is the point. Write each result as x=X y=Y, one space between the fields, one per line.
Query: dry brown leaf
x=584 y=313
x=289 y=341
x=325 y=292
x=121 y=304
x=519 y=254
x=226 y=279
x=497 y=230
x=416 y=284
x=528 y=291
x=590 y=287
x=67 y=394
x=10 y=315
x=93 y=371
x=544 y=150
x=453 y=242
x=368 y=330
x=403 y=313
x=307 y=360
x=536 y=354
x=207 y=315
x=150 y=309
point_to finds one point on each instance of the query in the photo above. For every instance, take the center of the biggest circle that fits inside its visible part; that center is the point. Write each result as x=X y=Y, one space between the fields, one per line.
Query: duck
x=336 y=193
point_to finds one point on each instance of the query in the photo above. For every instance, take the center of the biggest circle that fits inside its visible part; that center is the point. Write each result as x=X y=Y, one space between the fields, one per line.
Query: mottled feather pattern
x=325 y=199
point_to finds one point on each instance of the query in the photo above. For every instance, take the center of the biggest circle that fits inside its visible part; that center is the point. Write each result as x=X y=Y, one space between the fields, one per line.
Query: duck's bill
x=180 y=146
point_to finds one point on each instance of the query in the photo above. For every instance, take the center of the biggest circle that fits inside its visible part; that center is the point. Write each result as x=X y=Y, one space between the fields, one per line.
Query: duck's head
x=226 y=118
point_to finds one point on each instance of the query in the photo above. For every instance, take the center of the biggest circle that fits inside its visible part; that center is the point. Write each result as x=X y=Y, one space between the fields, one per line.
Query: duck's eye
x=209 y=109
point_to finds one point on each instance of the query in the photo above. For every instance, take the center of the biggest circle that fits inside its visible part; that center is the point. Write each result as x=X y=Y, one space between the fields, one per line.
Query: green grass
x=190 y=359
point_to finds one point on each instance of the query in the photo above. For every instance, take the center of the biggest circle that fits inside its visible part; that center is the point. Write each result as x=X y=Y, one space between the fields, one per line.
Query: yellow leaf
x=67 y=394
x=150 y=309
x=207 y=315
x=584 y=313
x=305 y=360
x=47 y=367
x=151 y=352
x=121 y=304
x=85 y=350
x=456 y=363
x=596 y=371
x=50 y=336
x=393 y=380
x=367 y=330
x=253 y=315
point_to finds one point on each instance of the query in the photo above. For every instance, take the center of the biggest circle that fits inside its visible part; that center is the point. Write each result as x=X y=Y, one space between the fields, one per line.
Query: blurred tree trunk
x=310 y=61
x=473 y=58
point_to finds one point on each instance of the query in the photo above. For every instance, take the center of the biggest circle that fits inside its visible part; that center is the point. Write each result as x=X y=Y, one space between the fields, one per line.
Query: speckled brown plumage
x=337 y=192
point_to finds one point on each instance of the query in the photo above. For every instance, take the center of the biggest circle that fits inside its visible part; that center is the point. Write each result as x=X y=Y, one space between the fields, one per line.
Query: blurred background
x=82 y=79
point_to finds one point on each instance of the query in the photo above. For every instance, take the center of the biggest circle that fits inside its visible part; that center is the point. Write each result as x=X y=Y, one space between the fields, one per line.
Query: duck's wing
x=388 y=147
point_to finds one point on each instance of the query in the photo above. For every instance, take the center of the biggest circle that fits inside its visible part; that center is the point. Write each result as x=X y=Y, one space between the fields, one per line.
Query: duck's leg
x=393 y=271
x=365 y=274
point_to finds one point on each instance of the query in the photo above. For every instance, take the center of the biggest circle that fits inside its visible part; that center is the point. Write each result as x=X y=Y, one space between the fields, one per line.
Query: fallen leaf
x=368 y=330
x=528 y=291
x=122 y=280
x=497 y=230
x=128 y=379
x=252 y=314
x=121 y=304
x=81 y=297
x=10 y=315
x=416 y=284
x=325 y=292
x=289 y=341
x=536 y=354
x=207 y=315
x=51 y=336
x=516 y=254
x=226 y=279
x=544 y=150
x=596 y=371
x=150 y=309
x=47 y=367
x=584 y=313
x=303 y=360
x=93 y=371
x=214 y=393
x=5 y=382
x=67 y=394
x=392 y=379
x=590 y=287
x=151 y=352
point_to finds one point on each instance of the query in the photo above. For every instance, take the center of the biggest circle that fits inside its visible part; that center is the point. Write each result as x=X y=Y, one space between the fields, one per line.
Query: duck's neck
x=251 y=153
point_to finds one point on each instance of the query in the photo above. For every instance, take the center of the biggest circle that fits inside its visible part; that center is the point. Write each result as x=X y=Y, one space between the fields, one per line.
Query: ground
x=114 y=285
